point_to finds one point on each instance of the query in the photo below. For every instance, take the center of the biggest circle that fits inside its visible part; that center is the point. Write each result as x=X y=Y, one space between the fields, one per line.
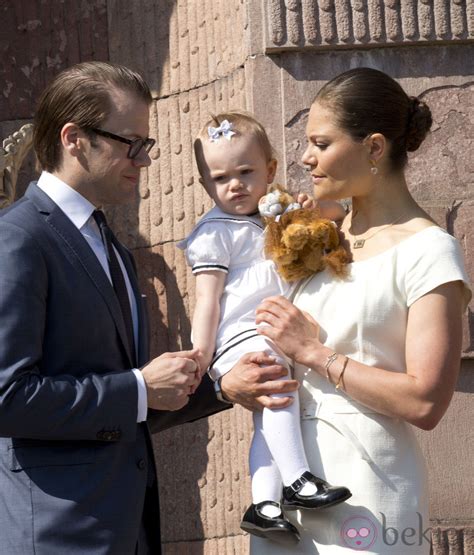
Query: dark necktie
x=116 y=274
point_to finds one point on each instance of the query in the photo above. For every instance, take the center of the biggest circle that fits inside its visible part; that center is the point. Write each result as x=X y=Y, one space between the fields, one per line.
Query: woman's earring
x=374 y=168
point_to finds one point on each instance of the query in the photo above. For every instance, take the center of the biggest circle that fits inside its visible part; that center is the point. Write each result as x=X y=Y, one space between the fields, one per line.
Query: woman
x=378 y=351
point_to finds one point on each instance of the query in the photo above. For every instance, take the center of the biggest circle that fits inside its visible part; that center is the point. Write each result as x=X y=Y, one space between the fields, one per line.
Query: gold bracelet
x=340 y=382
x=329 y=360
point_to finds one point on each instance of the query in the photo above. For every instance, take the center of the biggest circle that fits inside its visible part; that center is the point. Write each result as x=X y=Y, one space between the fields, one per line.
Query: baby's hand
x=306 y=201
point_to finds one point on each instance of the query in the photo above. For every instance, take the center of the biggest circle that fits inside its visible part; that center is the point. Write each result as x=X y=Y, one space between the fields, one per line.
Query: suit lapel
x=82 y=255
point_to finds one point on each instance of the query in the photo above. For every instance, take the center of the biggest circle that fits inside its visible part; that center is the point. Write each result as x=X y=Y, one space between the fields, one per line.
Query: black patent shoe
x=277 y=529
x=325 y=496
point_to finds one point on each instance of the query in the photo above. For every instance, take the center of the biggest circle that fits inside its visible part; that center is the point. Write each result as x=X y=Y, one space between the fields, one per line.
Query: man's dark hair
x=81 y=95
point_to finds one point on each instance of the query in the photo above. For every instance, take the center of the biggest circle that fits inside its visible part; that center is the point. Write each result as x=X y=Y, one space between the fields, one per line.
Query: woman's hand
x=295 y=332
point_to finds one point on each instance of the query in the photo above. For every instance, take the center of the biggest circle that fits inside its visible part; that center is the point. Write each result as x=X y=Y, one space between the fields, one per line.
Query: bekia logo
x=408 y=536
x=358 y=533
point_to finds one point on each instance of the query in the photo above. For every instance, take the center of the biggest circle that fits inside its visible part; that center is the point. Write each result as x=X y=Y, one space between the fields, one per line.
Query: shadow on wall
x=466 y=381
x=141 y=39
x=180 y=452
x=470 y=330
x=451 y=61
x=42 y=38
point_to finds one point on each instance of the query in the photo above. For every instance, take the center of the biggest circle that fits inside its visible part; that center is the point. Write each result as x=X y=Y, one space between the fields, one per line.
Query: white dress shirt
x=79 y=210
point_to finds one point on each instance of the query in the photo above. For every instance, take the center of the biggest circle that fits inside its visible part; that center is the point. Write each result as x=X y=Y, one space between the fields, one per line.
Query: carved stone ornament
x=12 y=153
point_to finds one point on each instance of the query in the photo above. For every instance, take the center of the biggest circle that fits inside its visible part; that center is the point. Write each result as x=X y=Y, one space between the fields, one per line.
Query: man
x=76 y=467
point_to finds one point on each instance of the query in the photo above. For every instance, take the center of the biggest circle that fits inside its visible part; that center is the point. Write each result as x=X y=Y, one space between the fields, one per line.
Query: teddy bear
x=298 y=240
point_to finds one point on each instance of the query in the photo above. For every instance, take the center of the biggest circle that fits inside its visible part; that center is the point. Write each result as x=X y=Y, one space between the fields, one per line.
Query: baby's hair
x=242 y=123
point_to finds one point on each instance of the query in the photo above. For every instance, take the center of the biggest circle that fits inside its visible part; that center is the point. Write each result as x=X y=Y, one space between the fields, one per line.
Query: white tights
x=277 y=453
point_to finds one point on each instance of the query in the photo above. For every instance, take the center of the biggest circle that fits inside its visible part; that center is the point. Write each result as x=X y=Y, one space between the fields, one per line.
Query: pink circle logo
x=358 y=533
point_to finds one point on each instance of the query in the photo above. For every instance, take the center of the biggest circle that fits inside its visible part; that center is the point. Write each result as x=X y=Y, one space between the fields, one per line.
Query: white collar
x=217 y=213
x=76 y=207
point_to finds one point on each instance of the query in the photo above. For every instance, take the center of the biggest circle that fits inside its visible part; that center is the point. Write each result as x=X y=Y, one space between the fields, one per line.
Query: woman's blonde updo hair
x=366 y=101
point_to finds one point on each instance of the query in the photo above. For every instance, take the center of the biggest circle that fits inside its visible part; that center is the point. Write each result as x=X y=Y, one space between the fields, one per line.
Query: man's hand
x=253 y=379
x=170 y=378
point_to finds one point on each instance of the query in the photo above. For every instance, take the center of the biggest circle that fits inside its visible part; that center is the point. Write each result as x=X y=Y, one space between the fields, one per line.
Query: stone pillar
x=428 y=47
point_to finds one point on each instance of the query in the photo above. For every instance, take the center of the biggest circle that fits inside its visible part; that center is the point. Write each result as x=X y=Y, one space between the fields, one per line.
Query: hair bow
x=224 y=130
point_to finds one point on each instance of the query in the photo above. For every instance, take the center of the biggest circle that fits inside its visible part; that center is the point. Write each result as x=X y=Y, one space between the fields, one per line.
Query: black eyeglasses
x=135 y=144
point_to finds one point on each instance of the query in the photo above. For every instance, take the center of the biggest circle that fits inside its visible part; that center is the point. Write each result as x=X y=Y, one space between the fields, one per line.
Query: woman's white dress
x=364 y=317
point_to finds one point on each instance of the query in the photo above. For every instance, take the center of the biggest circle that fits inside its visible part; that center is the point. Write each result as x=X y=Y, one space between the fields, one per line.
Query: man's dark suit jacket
x=74 y=464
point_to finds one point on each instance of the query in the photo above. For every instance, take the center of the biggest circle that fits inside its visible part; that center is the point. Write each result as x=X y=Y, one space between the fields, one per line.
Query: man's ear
x=271 y=170
x=377 y=146
x=72 y=138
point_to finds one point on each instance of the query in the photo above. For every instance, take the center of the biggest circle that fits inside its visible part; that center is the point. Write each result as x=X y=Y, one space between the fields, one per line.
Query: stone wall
x=333 y=24
x=269 y=56
x=427 y=46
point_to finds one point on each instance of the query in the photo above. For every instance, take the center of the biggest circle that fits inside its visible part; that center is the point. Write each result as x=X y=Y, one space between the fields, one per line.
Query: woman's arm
x=209 y=288
x=433 y=347
x=331 y=210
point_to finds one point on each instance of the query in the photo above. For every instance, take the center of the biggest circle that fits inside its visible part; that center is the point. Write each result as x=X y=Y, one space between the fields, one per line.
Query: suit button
x=108 y=435
x=141 y=464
